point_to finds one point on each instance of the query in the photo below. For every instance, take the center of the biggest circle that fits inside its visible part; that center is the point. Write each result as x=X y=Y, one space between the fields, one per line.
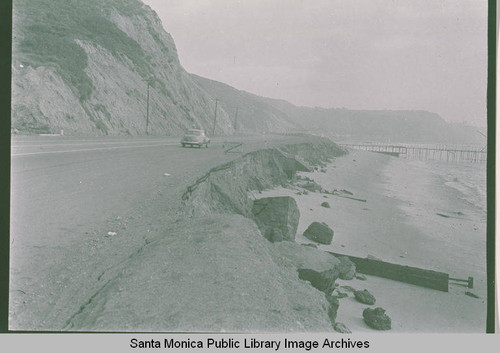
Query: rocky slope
x=84 y=66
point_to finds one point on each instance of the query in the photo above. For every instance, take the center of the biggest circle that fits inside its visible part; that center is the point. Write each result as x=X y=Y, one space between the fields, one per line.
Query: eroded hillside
x=83 y=66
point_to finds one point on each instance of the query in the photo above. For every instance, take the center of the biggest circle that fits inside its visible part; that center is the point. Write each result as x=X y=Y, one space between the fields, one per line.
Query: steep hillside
x=83 y=66
x=251 y=113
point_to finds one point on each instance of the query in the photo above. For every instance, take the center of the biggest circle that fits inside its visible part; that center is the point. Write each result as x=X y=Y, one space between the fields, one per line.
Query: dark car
x=195 y=137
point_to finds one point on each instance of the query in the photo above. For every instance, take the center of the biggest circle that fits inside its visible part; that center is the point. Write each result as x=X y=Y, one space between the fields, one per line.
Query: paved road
x=67 y=193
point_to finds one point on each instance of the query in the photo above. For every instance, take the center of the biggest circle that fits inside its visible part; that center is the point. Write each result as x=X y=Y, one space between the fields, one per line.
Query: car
x=195 y=137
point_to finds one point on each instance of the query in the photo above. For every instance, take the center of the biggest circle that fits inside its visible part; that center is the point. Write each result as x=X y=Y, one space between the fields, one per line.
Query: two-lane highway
x=67 y=193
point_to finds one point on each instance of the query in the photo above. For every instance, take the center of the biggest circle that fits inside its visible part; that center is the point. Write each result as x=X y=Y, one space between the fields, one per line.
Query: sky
x=370 y=54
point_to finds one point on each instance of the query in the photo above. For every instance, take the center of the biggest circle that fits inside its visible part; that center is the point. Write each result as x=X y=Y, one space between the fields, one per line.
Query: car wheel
x=183 y=144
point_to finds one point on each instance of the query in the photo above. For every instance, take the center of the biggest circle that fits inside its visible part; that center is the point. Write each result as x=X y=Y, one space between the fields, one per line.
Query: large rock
x=313 y=265
x=323 y=281
x=365 y=297
x=377 y=319
x=347 y=268
x=319 y=232
x=277 y=217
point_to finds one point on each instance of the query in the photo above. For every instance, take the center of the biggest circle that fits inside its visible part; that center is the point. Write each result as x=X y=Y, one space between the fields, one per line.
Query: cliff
x=83 y=66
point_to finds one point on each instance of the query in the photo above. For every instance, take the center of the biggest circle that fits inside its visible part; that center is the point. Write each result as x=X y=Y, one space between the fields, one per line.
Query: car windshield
x=195 y=132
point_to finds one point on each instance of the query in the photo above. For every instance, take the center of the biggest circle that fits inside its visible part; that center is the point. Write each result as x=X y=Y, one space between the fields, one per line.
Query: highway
x=68 y=193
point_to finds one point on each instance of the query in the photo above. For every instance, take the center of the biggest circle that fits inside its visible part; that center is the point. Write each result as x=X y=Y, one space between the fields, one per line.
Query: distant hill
x=416 y=126
x=83 y=66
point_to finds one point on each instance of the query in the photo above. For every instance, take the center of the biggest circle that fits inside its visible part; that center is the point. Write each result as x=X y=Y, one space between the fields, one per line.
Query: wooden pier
x=448 y=153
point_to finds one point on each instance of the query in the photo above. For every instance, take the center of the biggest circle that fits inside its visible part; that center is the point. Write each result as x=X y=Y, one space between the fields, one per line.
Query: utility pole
x=215 y=116
x=147 y=111
x=236 y=120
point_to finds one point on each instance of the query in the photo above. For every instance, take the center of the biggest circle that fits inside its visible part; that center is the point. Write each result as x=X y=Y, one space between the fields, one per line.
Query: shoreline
x=398 y=223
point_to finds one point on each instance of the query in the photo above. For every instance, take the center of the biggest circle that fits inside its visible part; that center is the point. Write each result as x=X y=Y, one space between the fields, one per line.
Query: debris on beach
x=319 y=232
x=341 y=328
x=360 y=277
x=339 y=294
x=310 y=244
x=311 y=186
x=377 y=319
x=470 y=294
x=365 y=297
x=325 y=204
x=348 y=288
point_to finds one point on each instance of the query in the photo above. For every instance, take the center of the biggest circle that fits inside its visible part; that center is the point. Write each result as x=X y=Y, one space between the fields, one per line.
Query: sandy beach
x=415 y=214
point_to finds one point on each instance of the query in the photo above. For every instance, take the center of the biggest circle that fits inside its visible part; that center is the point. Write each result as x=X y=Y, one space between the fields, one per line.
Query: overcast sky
x=370 y=54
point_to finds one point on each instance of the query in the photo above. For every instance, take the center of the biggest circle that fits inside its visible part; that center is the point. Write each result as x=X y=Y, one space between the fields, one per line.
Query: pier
x=448 y=153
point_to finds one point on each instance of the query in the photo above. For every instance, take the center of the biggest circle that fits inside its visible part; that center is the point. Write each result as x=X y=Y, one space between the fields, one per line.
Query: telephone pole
x=215 y=116
x=236 y=120
x=147 y=112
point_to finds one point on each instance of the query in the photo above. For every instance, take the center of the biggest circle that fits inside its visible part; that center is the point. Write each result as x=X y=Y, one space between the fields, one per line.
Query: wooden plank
x=412 y=275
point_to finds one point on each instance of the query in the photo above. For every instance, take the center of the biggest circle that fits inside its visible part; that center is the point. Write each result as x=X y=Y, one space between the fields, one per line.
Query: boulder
x=323 y=281
x=319 y=232
x=365 y=297
x=277 y=217
x=325 y=204
x=377 y=319
x=347 y=268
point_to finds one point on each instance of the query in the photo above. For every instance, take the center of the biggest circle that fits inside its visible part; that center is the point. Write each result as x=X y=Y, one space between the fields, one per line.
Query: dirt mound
x=206 y=274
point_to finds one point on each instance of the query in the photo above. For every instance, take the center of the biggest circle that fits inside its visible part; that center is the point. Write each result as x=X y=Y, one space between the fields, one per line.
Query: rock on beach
x=319 y=232
x=377 y=319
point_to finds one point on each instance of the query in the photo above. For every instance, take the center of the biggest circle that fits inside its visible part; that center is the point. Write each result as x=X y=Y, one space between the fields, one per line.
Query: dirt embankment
x=225 y=188
x=213 y=270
